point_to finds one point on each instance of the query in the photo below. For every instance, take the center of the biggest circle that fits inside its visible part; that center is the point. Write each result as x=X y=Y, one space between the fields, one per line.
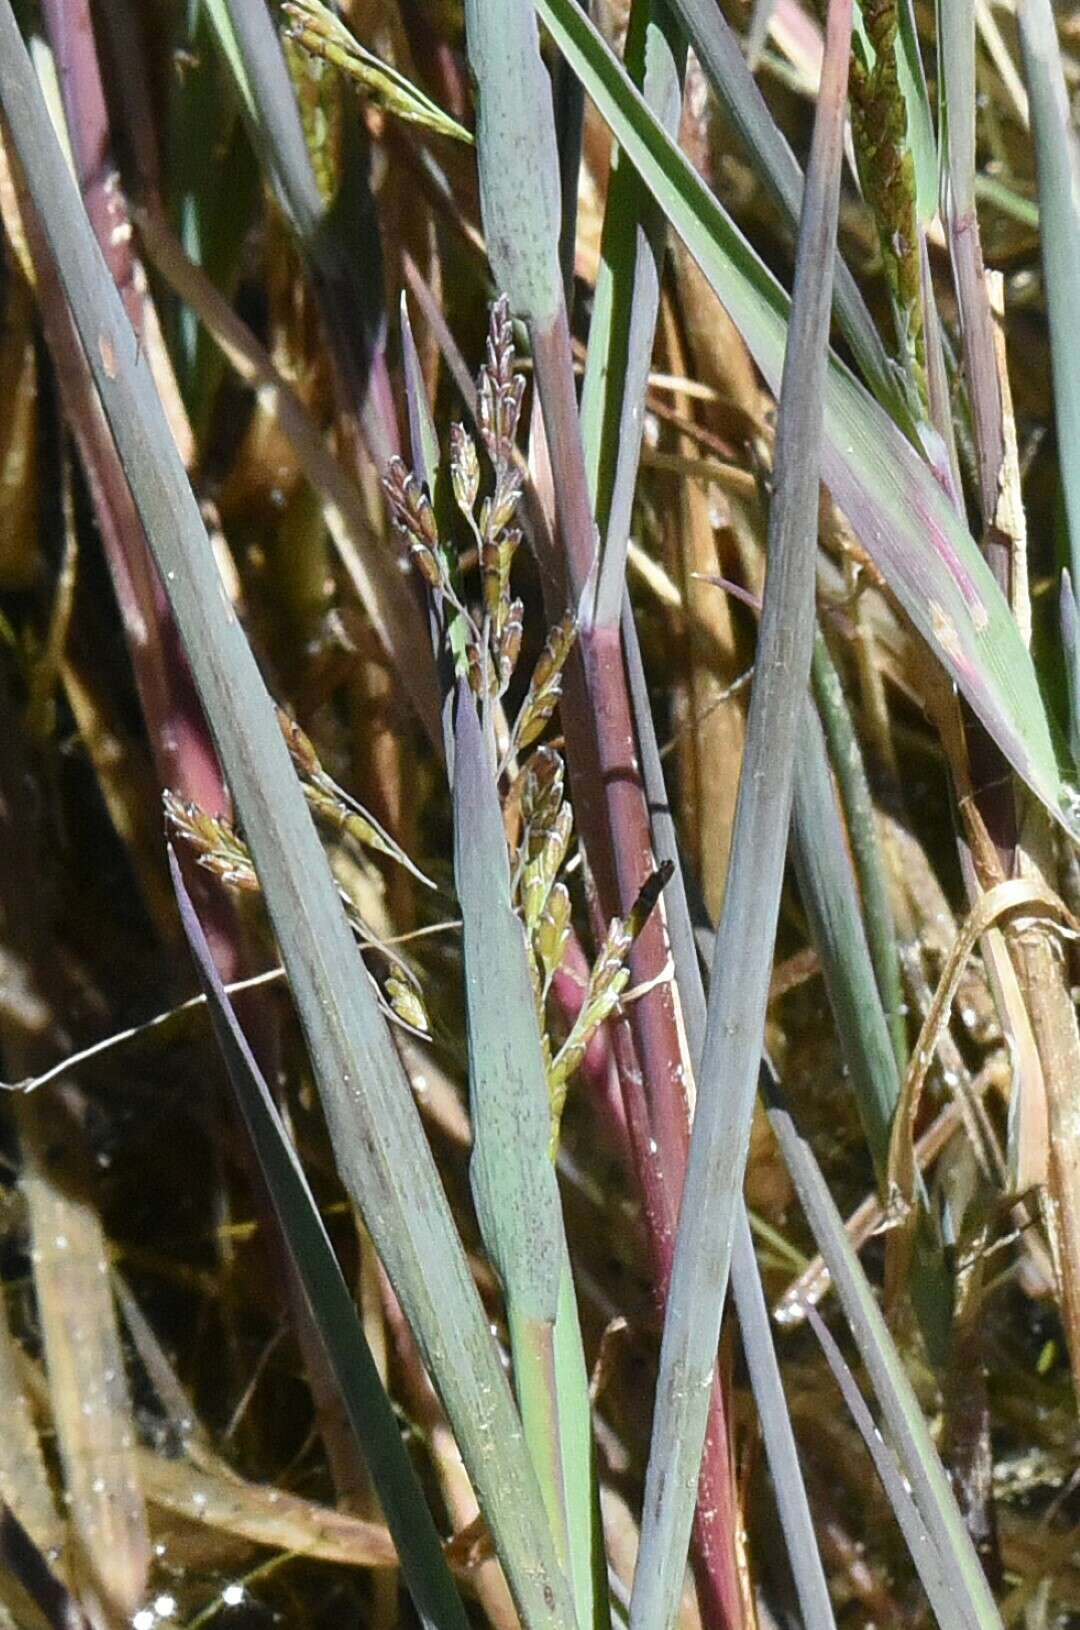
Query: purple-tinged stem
x=612 y=815
x=180 y=740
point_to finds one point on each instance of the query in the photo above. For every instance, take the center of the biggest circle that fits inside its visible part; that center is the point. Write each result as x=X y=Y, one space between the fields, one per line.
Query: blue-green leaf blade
x=891 y=497
x=334 y=1320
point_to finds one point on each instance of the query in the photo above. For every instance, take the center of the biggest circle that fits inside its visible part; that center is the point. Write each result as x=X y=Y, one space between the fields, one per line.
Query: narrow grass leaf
x=1070 y=650
x=568 y=106
x=30 y=1589
x=249 y=45
x=513 y=1176
x=956 y=91
x=24 y=1478
x=514 y=125
x=920 y=120
x=892 y=499
x=221 y=22
x=262 y=1514
x=625 y=304
x=758 y=31
x=907 y=1428
x=374 y=1125
x=845 y=756
x=334 y=1319
x=423 y=436
x=520 y=200
x=920 y=1546
x=1057 y=160
x=768 y=152
x=827 y=886
x=743 y=954
x=212 y=222
x=755 y=1330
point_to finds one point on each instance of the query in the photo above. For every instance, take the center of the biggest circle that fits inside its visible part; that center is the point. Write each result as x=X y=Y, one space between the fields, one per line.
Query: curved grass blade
x=742 y=958
x=334 y=1320
x=384 y=1157
x=892 y=499
x=930 y=1487
x=1057 y=161
x=920 y=1547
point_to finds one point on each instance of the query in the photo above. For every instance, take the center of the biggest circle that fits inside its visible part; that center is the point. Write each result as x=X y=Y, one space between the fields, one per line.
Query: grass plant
x=539 y=683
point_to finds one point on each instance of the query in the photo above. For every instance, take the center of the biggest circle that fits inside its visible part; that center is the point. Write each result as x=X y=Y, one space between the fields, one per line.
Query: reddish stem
x=179 y=738
x=613 y=818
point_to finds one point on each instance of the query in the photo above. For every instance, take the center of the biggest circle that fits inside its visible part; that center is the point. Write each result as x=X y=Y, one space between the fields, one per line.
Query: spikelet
x=219 y=848
x=553 y=931
x=500 y=393
x=334 y=807
x=541 y=871
x=496 y=557
x=464 y=469
x=407 y=1005
x=215 y=843
x=499 y=390
x=545 y=687
x=477 y=668
x=607 y=982
x=414 y=519
x=509 y=643
x=539 y=788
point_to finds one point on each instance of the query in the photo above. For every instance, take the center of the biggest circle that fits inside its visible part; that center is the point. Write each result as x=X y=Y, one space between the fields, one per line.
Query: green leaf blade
x=383 y=1156
x=334 y=1318
x=513 y=1179
x=745 y=939
x=1057 y=155
x=513 y=1176
x=900 y=513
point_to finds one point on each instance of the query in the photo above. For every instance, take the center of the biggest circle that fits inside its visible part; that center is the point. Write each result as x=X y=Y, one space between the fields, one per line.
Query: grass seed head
x=464 y=468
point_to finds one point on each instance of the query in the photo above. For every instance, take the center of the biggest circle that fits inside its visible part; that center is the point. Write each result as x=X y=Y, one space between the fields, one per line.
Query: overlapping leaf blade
x=384 y=1157
x=745 y=938
x=334 y=1318
x=891 y=497
x=513 y=1175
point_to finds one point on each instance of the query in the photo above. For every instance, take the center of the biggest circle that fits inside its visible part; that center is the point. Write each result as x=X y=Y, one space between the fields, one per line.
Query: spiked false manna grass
x=433 y=675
